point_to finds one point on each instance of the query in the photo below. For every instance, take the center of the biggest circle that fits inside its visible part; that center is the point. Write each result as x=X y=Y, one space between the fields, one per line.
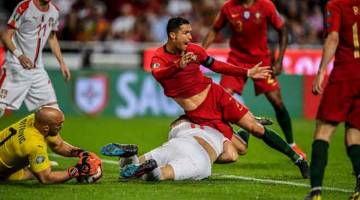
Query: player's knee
x=242 y=151
x=256 y=129
x=52 y=104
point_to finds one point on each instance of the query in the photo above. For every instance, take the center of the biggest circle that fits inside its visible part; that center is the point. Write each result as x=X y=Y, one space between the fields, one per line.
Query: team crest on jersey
x=258 y=17
x=155 y=65
x=39 y=159
x=91 y=93
x=3 y=93
x=246 y=15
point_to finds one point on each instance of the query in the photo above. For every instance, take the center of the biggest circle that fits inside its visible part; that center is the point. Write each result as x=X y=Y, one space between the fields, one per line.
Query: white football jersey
x=33 y=27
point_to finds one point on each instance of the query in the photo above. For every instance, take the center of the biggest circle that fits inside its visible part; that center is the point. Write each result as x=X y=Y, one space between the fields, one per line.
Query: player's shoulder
x=54 y=7
x=338 y=3
x=22 y=6
x=229 y=3
x=159 y=52
x=266 y=3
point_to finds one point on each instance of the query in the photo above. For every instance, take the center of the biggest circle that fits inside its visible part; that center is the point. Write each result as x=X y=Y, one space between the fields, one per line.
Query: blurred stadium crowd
x=145 y=20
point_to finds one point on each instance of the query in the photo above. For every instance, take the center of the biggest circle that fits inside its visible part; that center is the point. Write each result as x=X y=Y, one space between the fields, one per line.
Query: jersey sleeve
x=38 y=158
x=201 y=54
x=217 y=66
x=220 y=20
x=52 y=139
x=274 y=16
x=18 y=15
x=161 y=69
x=332 y=18
x=55 y=26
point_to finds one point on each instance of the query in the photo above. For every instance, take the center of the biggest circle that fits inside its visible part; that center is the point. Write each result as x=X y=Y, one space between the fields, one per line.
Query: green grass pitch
x=262 y=167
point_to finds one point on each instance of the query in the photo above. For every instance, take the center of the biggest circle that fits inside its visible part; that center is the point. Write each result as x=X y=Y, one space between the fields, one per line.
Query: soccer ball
x=91 y=179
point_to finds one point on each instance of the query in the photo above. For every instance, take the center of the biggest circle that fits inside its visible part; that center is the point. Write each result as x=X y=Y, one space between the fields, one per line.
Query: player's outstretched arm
x=329 y=49
x=55 y=48
x=257 y=72
x=61 y=147
x=48 y=177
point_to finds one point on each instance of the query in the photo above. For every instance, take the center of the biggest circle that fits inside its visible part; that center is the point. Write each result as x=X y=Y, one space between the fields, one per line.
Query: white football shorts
x=186 y=156
x=30 y=86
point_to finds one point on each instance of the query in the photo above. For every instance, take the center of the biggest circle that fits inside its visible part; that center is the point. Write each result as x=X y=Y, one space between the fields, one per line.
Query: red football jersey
x=179 y=82
x=343 y=16
x=248 y=41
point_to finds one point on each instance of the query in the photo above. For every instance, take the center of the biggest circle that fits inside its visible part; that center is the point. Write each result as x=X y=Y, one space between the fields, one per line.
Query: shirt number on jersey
x=42 y=27
x=238 y=25
x=356 y=40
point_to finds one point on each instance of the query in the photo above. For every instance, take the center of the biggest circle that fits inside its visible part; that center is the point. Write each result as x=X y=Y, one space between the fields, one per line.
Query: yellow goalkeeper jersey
x=26 y=147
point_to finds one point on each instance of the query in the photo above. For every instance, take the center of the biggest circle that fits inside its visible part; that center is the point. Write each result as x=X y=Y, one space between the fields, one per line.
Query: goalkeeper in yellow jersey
x=23 y=149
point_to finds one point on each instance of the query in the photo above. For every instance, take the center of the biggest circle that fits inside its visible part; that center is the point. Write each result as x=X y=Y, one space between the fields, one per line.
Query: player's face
x=55 y=128
x=183 y=37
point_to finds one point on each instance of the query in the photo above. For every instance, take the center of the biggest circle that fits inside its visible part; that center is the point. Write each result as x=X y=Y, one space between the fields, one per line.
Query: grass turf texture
x=260 y=162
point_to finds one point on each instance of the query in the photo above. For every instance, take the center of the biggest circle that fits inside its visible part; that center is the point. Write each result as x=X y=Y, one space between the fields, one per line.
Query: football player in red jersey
x=341 y=97
x=248 y=20
x=176 y=66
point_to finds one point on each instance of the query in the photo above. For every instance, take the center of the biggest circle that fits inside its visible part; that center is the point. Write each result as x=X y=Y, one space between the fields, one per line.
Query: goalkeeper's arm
x=48 y=177
x=61 y=147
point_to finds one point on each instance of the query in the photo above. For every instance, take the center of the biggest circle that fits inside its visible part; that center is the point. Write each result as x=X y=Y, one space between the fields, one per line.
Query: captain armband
x=208 y=62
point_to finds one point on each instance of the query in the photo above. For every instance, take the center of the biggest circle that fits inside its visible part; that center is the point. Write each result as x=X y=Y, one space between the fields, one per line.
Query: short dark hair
x=175 y=23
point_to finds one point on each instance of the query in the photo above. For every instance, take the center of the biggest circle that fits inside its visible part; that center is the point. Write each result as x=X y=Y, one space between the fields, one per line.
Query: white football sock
x=130 y=160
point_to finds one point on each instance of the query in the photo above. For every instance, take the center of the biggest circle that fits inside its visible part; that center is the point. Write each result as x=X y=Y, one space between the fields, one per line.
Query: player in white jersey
x=23 y=77
x=189 y=154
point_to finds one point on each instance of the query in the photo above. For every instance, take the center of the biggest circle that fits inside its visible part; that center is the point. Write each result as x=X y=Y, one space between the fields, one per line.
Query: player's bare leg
x=273 y=140
x=52 y=104
x=283 y=118
x=353 y=150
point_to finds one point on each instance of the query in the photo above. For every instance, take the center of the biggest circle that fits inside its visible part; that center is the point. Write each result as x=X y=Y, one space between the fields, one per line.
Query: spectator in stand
x=123 y=25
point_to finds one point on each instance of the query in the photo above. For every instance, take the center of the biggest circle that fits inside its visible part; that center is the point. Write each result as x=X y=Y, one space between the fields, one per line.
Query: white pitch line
x=246 y=178
x=279 y=182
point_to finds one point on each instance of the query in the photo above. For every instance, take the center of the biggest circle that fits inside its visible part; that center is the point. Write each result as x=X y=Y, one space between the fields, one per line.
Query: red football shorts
x=237 y=83
x=341 y=103
x=218 y=110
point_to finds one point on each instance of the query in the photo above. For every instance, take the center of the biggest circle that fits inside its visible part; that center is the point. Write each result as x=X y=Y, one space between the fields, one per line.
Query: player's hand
x=26 y=62
x=86 y=166
x=187 y=58
x=317 y=87
x=259 y=72
x=277 y=68
x=65 y=71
